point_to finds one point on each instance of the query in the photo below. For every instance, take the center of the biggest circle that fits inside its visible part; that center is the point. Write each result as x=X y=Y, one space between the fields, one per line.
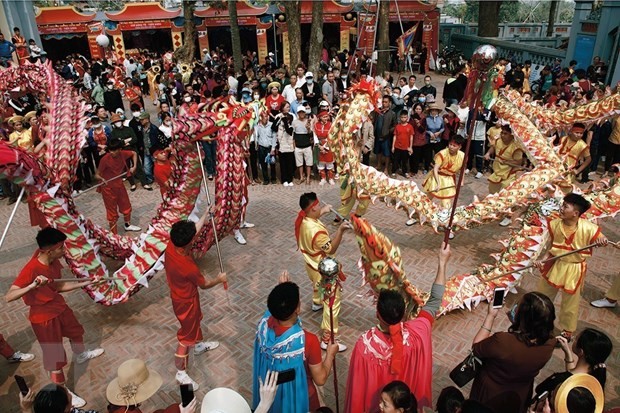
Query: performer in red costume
x=113 y=191
x=184 y=278
x=50 y=316
x=163 y=169
x=326 y=156
x=396 y=349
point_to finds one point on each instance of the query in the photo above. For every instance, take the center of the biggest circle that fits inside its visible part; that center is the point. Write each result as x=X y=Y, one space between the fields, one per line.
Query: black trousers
x=400 y=160
x=253 y=165
x=262 y=154
x=421 y=153
x=612 y=155
x=287 y=166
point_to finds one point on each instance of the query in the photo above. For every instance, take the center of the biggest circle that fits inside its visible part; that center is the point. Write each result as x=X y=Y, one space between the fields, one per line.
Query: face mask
x=187 y=99
x=99 y=126
x=309 y=81
x=427 y=83
x=422 y=100
x=246 y=98
x=168 y=123
x=256 y=97
x=118 y=124
x=135 y=114
x=263 y=85
x=110 y=87
x=343 y=77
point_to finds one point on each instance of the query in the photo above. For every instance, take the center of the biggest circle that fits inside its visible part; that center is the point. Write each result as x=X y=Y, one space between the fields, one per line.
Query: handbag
x=465 y=371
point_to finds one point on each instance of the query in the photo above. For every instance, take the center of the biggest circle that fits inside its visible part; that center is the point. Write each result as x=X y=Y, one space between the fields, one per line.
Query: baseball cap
x=309 y=74
x=302 y=109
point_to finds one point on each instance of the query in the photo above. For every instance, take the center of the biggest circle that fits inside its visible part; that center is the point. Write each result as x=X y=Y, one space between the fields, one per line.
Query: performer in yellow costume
x=348 y=189
x=508 y=157
x=314 y=243
x=568 y=233
x=575 y=153
x=440 y=183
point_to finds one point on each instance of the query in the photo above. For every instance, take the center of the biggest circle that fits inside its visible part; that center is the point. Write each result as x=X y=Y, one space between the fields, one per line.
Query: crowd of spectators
x=288 y=145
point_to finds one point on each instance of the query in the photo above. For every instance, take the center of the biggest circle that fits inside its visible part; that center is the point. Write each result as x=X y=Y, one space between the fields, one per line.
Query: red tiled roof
x=142 y=11
x=62 y=15
x=243 y=9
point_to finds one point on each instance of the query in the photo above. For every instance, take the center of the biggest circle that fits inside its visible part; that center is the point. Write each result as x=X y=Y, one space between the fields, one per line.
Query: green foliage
x=532 y=11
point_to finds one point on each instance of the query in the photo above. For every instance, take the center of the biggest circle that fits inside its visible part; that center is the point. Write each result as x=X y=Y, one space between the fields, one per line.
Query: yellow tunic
x=22 y=139
x=567 y=273
x=449 y=165
x=571 y=152
x=615 y=131
x=493 y=134
x=504 y=155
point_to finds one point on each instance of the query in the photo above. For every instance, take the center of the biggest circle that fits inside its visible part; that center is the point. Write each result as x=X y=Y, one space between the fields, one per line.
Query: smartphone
x=187 y=394
x=286 y=376
x=21 y=383
x=542 y=396
x=498 y=297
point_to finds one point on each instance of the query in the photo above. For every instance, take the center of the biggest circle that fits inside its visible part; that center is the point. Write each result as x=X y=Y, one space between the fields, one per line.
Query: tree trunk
x=235 y=37
x=552 y=13
x=293 y=17
x=316 y=37
x=383 y=38
x=488 y=18
x=185 y=53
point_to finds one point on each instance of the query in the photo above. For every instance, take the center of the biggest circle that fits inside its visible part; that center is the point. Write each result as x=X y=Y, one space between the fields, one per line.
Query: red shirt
x=274 y=103
x=182 y=274
x=162 y=172
x=45 y=302
x=111 y=166
x=419 y=132
x=402 y=136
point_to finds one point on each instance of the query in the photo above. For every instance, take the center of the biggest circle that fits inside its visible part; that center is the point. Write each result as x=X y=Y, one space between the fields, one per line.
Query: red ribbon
x=300 y=218
x=397 y=351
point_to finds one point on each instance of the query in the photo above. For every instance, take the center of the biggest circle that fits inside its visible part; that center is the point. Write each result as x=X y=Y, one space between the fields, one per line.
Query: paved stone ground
x=145 y=326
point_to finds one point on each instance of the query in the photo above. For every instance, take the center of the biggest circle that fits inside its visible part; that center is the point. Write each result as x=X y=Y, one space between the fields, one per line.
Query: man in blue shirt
x=6 y=51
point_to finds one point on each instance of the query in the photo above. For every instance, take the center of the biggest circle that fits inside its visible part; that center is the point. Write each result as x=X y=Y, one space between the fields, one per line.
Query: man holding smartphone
x=282 y=345
x=184 y=279
x=50 y=316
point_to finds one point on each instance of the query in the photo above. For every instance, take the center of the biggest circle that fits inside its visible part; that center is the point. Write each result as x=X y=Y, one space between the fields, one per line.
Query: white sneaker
x=466 y=171
x=239 y=237
x=19 y=357
x=323 y=182
x=76 y=401
x=285 y=184
x=603 y=303
x=451 y=236
x=291 y=183
x=478 y=175
x=183 y=378
x=247 y=225
x=88 y=354
x=205 y=346
x=505 y=222
x=317 y=307
x=129 y=227
x=341 y=347
x=411 y=222
x=331 y=182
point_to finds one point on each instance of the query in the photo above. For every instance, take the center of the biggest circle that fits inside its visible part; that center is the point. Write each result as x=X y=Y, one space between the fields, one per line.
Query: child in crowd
x=402 y=144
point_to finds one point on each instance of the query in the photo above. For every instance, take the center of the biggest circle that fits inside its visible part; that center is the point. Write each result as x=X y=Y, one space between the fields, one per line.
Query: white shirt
x=289 y=93
x=300 y=82
x=87 y=81
x=232 y=83
x=130 y=68
x=406 y=89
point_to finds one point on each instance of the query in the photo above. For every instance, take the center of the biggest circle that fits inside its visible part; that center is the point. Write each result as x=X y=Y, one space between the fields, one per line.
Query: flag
x=405 y=40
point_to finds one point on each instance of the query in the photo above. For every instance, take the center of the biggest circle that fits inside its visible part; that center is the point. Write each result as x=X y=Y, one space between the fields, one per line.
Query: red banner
x=96 y=51
x=261 y=38
x=63 y=28
x=145 y=25
x=367 y=34
x=224 y=21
